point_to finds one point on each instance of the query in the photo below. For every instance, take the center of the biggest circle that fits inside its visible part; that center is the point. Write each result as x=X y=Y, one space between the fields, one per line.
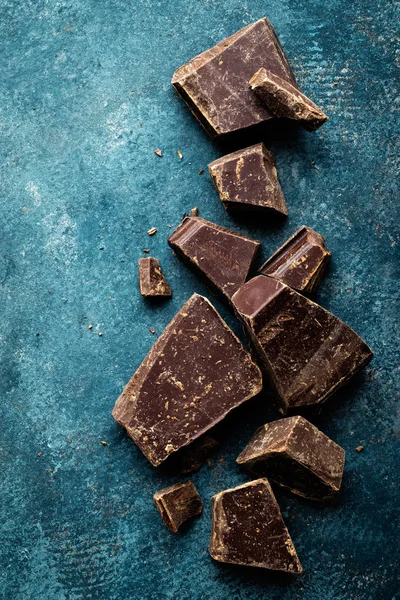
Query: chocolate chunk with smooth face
x=222 y=255
x=215 y=85
x=178 y=503
x=285 y=100
x=297 y=456
x=247 y=179
x=151 y=278
x=194 y=375
x=248 y=529
x=307 y=352
x=300 y=262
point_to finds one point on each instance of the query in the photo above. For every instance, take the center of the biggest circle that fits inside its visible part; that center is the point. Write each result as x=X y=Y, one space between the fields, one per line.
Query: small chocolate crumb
x=90 y=326
x=194 y=212
x=103 y=443
x=100 y=333
x=359 y=448
x=158 y=152
x=40 y=453
x=146 y=250
x=152 y=330
x=179 y=153
x=201 y=171
x=152 y=231
x=140 y=124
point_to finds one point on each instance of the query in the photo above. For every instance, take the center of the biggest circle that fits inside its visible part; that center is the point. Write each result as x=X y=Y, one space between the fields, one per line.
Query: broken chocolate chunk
x=297 y=456
x=215 y=84
x=178 y=503
x=248 y=179
x=222 y=255
x=307 y=352
x=300 y=262
x=285 y=100
x=151 y=278
x=194 y=375
x=248 y=529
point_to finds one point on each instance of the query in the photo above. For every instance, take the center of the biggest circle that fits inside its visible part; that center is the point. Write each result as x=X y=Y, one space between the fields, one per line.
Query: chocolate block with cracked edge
x=151 y=279
x=248 y=529
x=178 y=503
x=214 y=84
x=285 y=100
x=296 y=455
x=307 y=352
x=194 y=375
x=247 y=179
x=300 y=262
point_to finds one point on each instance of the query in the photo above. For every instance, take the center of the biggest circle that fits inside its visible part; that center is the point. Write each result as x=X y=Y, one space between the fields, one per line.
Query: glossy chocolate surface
x=178 y=503
x=151 y=278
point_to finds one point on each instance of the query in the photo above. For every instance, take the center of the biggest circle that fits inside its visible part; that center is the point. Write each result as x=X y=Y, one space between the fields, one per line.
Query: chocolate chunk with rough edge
x=215 y=86
x=297 y=456
x=194 y=375
x=248 y=529
x=222 y=255
x=300 y=262
x=151 y=278
x=178 y=503
x=285 y=100
x=247 y=179
x=307 y=352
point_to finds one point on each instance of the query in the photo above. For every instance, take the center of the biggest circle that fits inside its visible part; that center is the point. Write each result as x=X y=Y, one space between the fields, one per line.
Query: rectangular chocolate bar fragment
x=223 y=256
x=178 y=503
x=297 y=456
x=307 y=352
x=194 y=375
x=247 y=179
x=300 y=262
x=151 y=278
x=215 y=84
x=248 y=529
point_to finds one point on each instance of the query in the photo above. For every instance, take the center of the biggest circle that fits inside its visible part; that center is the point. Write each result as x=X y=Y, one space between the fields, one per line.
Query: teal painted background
x=79 y=188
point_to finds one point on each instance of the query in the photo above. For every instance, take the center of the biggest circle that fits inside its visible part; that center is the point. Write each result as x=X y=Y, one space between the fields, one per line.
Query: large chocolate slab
x=247 y=179
x=215 y=86
x=194 y=375
x=297 y=456
x=248 y=529
x=307 y=351
x=151 y=278
x=222 y=255
x=178 y=503
x=300 y=262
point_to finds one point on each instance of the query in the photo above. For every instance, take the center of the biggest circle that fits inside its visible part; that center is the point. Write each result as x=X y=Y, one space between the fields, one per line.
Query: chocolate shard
x=222 y=255
x=151 y=278
x=300 y=262
x=247 y=179
x=296 y=455
x=248 y=529
x=307 y=352
x=285 y=100
x=215 y=84
x=194 y=375
x=178 y=503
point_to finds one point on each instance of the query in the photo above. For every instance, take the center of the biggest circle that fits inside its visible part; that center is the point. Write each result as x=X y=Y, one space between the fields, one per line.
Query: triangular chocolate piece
x=151 y=278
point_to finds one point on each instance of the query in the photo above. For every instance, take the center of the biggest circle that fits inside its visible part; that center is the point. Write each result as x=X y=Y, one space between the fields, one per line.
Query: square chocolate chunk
x=178 y=503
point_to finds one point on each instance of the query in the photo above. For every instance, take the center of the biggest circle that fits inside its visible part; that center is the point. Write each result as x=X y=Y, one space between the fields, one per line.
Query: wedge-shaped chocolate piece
x=215 y=84
x=285 y=100
x=248 y=529
x=151 y=278
x=178 y=503
x=297 y=456
x=247 y=179
x=194 y=375
x=300 y=262
x=307 y=351
x=222 y=255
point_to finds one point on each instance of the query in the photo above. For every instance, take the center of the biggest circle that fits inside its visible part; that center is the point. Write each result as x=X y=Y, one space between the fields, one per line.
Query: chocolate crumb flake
x=158 y=152
x=179 y=153
x=90 y=326
x=152 y=231
x=40 y=453
x=201 y=171
x=146 y=250
x=103 y=443
x=178 y=503
x=152 y=330
x=359 y=448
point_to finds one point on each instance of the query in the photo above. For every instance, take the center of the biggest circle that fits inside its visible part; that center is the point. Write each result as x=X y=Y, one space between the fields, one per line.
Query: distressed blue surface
x=79 y=188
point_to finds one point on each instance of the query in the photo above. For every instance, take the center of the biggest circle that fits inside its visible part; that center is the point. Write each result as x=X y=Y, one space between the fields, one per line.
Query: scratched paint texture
x=79 y=188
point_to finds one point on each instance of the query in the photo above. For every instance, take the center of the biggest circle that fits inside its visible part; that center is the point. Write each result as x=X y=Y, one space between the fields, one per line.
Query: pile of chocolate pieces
x=198 y=371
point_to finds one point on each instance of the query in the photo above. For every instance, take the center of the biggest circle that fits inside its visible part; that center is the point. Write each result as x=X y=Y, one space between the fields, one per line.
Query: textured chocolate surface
x=297 y=456
x=194 y=375
x=248 y=529
x=151 y=278
x=307 y=351
x=215 y=85
x=300 y=262
x=248 y=179
x=178 y=503
x=222 y=255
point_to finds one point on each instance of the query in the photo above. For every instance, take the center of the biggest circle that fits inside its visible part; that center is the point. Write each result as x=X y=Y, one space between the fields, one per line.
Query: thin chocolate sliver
x=151 y=278
x=178 y=503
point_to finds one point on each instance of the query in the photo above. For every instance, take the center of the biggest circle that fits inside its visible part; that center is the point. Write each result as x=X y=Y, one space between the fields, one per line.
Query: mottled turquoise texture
x=85 y=98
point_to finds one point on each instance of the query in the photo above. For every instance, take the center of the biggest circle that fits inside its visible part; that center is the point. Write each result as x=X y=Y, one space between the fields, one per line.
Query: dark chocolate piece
x=193 y=457
x=300 y=262
x=194 y=375
x=215 y=84
x=178 y=503
x=151 y=278
x=248 y=529
x=297 y=456
x=248 y=179
x=307 y=351
x=285 y=100
x=222 y=255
